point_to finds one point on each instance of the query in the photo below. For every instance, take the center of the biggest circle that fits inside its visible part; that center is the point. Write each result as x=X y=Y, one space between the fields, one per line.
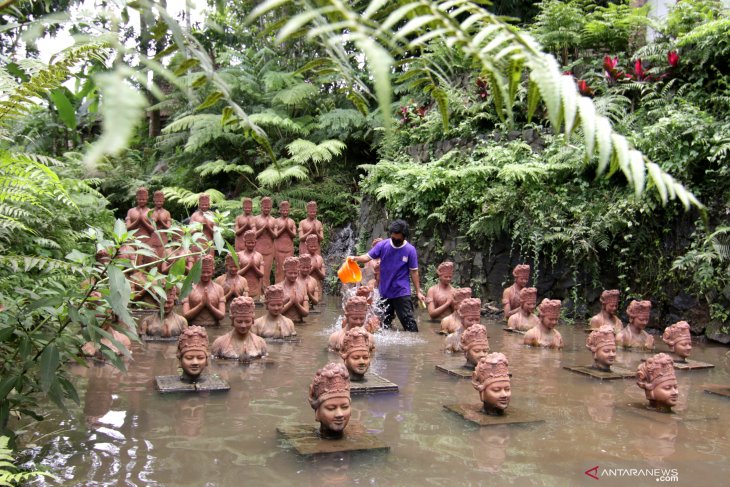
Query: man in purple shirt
x=398 y=261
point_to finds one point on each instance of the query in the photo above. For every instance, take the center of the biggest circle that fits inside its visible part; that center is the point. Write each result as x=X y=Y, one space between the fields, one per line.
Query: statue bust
x=453 y=321
x=296 y=304
x=206 y=303
x=440 y=296
x=357 y=348
x=475 y=344
x=491 y=379
x=469 y=314
x=511 y=295
x=318 y=269
x=679 y=339
x=545 y=334
x=310 y=226
x=240 y=343
x=251 y=264
x=90 y=349
x=607 y=315
x=306 y=281
x=525 y=317
x=329 y=396
x=163 y=221
x=273 y=324
x=192 y=352
x=656 y=376
x=602 y=343
x=244 y=223
x=233 y=284
x=265 y=234
x=633 y=335
x=356 y=309
x=285 y=230
x=368 y=271
x=372 y=322
x=204 y=218
x=171 y=324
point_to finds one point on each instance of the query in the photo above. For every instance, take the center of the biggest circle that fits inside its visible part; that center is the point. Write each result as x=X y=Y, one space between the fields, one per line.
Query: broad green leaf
x=638 y=175
x=656 y=175
x=210 y=100
x=49 y=364
x=6 y=385
x=119 y=291
x=232 y=252
x=66 y=111
x=178 y=268
x=588 y=121
x=603 y=138
x=192 y=278
x=570 y=103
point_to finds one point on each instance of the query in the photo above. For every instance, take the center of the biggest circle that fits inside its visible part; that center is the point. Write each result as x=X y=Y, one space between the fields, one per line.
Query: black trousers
x=403 y=307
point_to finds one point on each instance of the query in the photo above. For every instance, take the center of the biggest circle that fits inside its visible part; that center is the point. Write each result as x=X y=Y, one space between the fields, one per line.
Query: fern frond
x=296 y=95
x=303 y=151
x=189 y=199
x=212 y=168
x=276 y=174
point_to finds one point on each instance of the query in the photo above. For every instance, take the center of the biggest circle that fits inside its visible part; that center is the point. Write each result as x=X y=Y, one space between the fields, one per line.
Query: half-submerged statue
x=265 y=234
x=205 y=219
x=491 y=378
x=138 y=219
x=310 y=226
x=679 y=340
x=233 y=284
x=329 y=396
x=91 y=349
x=285 y=231
x=318 y=269
x=470 y=314
x=163 y=221
x=306 y=281
x=607 y=315
x=545 y=334
x=240 y=343
x=602 y=343
x=633 y=335
x=656 y=376
x=372 y=321
x=357 y=348
x=525 y=318
x=440 y=297
x=244 y=222
x=251 y=264
x=171 y=324
x=511 y=295
x=453 y=321
x=356 y=309
x=206 y=303
x=296 y=302
x=475 y=344
x=273 y=324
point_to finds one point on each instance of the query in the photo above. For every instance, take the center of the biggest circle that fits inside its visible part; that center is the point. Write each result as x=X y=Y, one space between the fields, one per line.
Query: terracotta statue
x=633 y=335
x=202 y=216
x=192 y=352
x=137 y=219
x=491 y=379
x=453 y=321
x=511 y=295
x=296 y=302
x=545 y=334
x=440 y=297
x=329 y=396
x=306 y=281
x=171 y=324
x=607 y=316
x=206 y=303
x=525 y=318
x=273 y=324
x=475 y=344
x=357 y=349
x=469 y=314
x=602 y=343
x=372 y=321
x=374 y=283
x=265 y=234
x=285 y=230
x=251 y=264
x=140 y=283
x=91 y=349
x=240 y=343
x=656 y=376
x=368 y=270
x=318 y=268
x=163 y=221
x=356 y=309
x=232 y=282
x=679 y=339
x=310 y=226
x=244 y=222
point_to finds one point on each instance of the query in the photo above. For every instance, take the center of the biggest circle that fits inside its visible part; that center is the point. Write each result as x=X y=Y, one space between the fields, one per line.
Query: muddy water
x=124 y=433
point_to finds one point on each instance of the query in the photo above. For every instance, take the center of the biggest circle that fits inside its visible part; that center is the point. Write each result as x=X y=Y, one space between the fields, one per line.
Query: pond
x=125 y=433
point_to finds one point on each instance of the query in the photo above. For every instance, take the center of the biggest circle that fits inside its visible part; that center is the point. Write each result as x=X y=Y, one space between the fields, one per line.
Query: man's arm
x=417 y=284
x=361 y=259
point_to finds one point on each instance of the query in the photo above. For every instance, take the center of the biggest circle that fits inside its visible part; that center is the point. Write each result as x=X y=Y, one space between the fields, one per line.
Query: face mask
x=397 y=241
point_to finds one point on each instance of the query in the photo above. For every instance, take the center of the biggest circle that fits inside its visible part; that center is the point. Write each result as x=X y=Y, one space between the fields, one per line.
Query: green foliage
x=8 y=474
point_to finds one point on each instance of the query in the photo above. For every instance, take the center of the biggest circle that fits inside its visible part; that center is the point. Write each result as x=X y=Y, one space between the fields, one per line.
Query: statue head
x=204 y=202
x=192 y=351
x=528 y=299
x=284 y=208
x=242 y=314
x=459 y=295
x=356 y=309
x=159 y=198
x=656 y=377
x=549 y=313
x=491 y=379
x=329 y=396
x=291 y=268
x=679 y=339
x=470 y=311
x=274 y=299
x=231 y=267
x=312 y=210
x=376 y=241
x=312 y=244
x=249 y=240
x=609 y=301
x=475 y=344
x=356 y=351
x=363 y=291
x=143 y=196
x=266 y=205
x=247 y=205
x=521 y=273
x=445 y=272
x=208 y=268
x=170 y=301
x=639 y=312
x=602 y=342
x=305 y=264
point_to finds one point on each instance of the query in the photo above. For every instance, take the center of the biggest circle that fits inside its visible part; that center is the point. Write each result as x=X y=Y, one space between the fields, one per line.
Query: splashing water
x=340 y=247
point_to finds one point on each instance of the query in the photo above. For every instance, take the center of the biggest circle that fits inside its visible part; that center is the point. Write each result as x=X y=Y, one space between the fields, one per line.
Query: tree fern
x=189 y=199
x=212 y=168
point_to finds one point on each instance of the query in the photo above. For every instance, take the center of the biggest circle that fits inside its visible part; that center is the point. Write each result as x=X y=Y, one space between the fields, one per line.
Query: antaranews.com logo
x=658 y=474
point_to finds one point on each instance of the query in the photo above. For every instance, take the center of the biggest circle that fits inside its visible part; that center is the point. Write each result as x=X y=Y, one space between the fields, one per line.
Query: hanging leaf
x=193 y=277
x=66 y=111
x=49 y=363
x=210 y=100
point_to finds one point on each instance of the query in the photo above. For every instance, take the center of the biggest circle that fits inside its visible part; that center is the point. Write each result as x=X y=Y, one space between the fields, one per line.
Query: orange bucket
x=349 y=272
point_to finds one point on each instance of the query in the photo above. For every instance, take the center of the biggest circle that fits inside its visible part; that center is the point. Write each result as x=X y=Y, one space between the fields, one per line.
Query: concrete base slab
x=372 y=384
x=474 y=414
x=207 y=383
x=306 y=440
x=615 y=373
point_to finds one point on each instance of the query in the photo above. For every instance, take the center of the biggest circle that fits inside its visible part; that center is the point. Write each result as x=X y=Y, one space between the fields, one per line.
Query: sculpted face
x=204 y=204
x=469 y=319
x=549 y=321
x=529 y=304
x=206 y=273
x=193 y=362
x=358 y=362
x=242 y=324
x=169 y=303
x=354 y=319
x=334 y=414
x=522 y=280
x=231 y=267
x=496 y=395
x=312 y=246
x=475 y=353
x=640 y=320
x=446 y=276
x=611 y=306
x=683 y=348
x=274 y=307
x=265 y=207
x=311 y=212
x=305 y=268
x=250 y=243
x=247 y=206
x=605 y=356
x=159 y=200
x=665 y=394
x=284 y=210
x=142 y=199
x=291 y=273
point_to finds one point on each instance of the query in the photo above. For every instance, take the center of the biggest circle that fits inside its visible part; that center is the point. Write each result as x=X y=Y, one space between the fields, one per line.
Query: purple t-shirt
x=395 y=267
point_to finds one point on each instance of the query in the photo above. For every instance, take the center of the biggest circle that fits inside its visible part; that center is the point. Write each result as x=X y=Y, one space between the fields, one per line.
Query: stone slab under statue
x=513 y=330
x=306 y=440
x=717 y=390
x=475 y=414
x=663 y=416
x=206 y=383
x=613 y=374
x=602 y=344
x=688 y=364
x=157 y=339
x=247 y=361
x=372 y=384
x=457 y=368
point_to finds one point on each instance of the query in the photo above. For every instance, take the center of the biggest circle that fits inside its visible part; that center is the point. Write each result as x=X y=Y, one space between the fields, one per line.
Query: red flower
x=673 y=58
x=610 y=64
x=584 y=89
x=404 y=110
x=568 y=73
x=421 y=111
